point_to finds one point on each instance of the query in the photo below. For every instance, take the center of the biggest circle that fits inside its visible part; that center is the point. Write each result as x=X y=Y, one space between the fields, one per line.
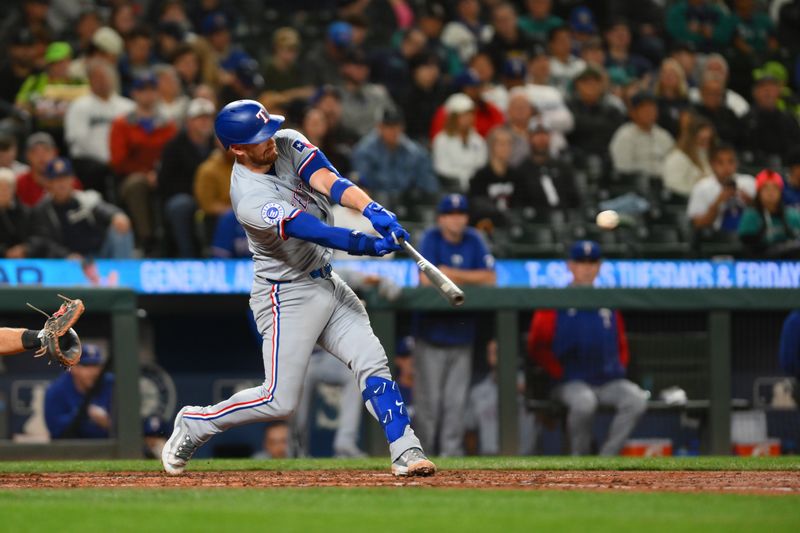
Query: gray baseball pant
x=292 y=317
x=582 y=401
x=441 y=388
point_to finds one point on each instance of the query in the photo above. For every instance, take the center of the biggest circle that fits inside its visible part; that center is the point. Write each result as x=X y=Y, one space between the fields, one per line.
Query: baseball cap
x=581 y=20
x=144 y=80
x=57 y=51
x=458 y=103
x=539 y=123
x=58 y=168
x=108 y=41
x=247 y=72
x=467 y=78
x=585 y=251
x=643 y=97
x=589 y=72
x=453 y=203
x=767 y=176
x=199 y=107
x=91 y=355
x=340 y=34
x=40 y=137
x=392 y=116
x=214 y=22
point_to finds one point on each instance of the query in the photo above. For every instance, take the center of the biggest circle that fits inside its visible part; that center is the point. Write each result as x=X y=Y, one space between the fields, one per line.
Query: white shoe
x=179 y=448
x=413 y=462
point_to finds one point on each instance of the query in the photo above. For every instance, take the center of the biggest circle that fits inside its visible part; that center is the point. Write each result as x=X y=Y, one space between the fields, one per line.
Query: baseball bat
x=443 y=284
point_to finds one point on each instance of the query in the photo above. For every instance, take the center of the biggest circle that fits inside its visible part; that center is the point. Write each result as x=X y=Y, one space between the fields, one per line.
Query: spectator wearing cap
x=246 y=82
x=15 y=221
x=545 y=182
x=8 y=156
x=715 y=67
x=443 y=347
x=509 y=41
x=323 y=61
x=469 y=83
x=458 y=150
x=539 y=19
x=564 y=66
x=491 y=189
x=363 y=103
x=48 y=94
x=388 y=162
x=77 y=404
x=583 y=26
x=16 y=66
x=105 y=45
x=466 y=33
x=596 y=118
x=87 y=125
x=138 y=58
x=641 y=145
x=182 y=156
x=137 y=141
x=769 y=132
x=172 y=100
x=392 y=68
x=512 y=75
x=698 y=22
x=425 y=94
x=287 y=76
x=791 y=189
x=619 y=56
x=717 y=202
x=768 y=228
x=687 y=163
x=585 y=354
x=712 y=106
x=216 y=29
x=672 y=93
x=75 y=224
x=40 y=149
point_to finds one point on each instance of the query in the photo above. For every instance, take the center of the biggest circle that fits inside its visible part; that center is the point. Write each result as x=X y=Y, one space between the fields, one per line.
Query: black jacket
x=726 y=123
x=15 y=228
x=79 y=226
x=594 y=126
x=770 y=133
x=179 y=161
x=529 y=191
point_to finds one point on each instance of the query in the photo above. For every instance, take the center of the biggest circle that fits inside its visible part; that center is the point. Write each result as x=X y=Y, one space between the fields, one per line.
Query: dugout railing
x=507 y=306
x=120 y=306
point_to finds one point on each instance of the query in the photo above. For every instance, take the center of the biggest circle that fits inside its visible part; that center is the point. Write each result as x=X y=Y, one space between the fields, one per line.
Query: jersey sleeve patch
x=272 y=213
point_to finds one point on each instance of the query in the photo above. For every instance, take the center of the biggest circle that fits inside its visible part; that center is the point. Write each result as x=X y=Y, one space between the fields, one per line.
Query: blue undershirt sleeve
x=302 y=225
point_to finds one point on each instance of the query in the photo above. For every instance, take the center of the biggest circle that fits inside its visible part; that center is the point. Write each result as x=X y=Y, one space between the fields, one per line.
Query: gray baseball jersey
x=293 y=311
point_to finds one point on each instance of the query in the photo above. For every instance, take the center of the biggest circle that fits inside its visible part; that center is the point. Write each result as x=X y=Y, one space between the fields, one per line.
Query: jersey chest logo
x=300 y=196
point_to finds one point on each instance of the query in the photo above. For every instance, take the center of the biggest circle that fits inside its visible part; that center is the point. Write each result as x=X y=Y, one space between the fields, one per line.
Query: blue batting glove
x=386 y=245
x=383 y=220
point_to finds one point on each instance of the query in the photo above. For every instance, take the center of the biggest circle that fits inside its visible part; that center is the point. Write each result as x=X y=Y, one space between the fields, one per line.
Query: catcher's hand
x=59 y=341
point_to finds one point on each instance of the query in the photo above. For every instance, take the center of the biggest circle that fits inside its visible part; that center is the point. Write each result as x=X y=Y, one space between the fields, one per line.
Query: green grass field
x=389 y=509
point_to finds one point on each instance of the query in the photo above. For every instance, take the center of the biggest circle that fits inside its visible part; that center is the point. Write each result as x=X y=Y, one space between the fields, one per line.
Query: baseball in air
x=608 y=219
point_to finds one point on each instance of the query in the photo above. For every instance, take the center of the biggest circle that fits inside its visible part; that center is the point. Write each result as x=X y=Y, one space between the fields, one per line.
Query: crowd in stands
x=681 y=115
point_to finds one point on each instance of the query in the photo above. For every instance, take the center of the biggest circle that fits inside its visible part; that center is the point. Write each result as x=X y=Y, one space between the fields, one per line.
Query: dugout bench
x=508 y=303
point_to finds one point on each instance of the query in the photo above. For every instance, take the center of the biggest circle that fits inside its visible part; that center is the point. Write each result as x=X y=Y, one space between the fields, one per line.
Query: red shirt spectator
x=40 y=149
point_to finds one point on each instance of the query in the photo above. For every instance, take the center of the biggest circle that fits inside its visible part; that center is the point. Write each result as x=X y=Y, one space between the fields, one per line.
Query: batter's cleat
x=413 y=462
x=179 y=448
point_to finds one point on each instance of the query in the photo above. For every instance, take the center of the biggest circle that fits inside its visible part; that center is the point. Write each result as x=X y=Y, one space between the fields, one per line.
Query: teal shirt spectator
x=754 y=31
x=700 y=24
x=406 y=167
x=752 y=227
x=539 y=28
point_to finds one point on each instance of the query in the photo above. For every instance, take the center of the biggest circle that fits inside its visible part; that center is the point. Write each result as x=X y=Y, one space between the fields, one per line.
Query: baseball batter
x=281 y=191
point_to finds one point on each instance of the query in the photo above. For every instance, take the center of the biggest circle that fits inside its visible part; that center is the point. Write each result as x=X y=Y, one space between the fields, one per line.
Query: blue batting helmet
x=245 y=122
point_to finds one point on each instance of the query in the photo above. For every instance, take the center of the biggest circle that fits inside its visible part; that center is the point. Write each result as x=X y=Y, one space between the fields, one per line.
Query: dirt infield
x=749 y=482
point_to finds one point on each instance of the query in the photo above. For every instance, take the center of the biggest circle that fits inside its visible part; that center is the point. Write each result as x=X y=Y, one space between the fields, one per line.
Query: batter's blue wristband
x=338 y=188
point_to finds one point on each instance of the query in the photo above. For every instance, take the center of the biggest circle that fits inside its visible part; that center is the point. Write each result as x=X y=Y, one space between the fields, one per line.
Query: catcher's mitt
x=59 y=341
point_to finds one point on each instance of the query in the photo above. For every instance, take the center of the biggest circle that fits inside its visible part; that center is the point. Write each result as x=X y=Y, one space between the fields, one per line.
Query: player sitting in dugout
x=585 y=353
